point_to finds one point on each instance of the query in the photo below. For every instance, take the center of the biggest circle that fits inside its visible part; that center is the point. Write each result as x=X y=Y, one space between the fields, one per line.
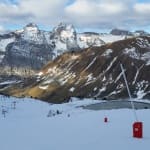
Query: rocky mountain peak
x=32 y=25
x=64 y=32
x=64 y=26
x=64 y=37
x=31 y=32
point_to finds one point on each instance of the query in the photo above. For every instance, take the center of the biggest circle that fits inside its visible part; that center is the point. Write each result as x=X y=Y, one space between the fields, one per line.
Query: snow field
x=28 y=128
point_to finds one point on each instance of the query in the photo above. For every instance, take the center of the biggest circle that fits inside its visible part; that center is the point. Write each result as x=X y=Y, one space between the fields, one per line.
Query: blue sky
x=143 y=0
x=93 y=15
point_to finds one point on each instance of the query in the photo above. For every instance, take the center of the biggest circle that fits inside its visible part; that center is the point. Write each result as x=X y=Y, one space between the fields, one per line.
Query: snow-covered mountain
x=31 y=47
x=93 y=72
x=89 y=39
x=32 y=33
x=23 y=50
x=64 y=38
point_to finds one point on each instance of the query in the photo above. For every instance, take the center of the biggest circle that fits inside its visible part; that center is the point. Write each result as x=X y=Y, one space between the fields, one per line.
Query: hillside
x=95 y=72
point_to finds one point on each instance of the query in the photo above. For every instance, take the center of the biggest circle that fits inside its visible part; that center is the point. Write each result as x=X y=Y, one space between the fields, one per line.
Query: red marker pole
x=106 y=119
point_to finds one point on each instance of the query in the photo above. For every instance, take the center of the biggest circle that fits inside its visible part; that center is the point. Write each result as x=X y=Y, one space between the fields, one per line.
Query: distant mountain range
x=129 y=33
x=55 y=66
x=26 y=50
x=30 y=48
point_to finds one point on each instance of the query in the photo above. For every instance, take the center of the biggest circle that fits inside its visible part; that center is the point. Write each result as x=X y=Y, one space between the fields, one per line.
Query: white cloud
x=46 y=11
x=142 y=8
x=12 y=13
x=2 y=28
x=109 y=13
x=47 y=8
x=82 y=13
x=88 y=8
x=97 y=12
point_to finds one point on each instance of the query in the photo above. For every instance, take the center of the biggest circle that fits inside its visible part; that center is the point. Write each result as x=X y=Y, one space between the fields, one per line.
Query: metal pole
x=129 y=93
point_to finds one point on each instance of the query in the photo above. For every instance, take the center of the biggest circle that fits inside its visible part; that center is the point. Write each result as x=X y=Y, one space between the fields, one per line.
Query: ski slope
x=35 y=125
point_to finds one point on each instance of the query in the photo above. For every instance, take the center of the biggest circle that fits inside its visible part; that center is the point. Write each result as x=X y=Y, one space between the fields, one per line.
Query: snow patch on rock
x=43 y=87
x=72 y=89
x=107 y=52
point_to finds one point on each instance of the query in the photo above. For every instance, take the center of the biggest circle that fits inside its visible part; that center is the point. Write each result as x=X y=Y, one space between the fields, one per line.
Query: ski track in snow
x=115 y=58
x=137 y=73
x=92 y=62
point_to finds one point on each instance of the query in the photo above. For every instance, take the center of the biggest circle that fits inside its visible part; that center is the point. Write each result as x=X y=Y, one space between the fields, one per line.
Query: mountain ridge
x=94 y=72
x=73 y=64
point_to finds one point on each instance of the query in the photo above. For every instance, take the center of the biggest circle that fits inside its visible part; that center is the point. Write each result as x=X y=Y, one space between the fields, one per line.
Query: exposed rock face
x=120 y=32
x=95 y=72
x=26 y=48
x=25 y=54
x=129 y=33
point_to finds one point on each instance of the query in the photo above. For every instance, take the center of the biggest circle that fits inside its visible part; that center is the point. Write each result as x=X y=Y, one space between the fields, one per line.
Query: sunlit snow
x=27 y=126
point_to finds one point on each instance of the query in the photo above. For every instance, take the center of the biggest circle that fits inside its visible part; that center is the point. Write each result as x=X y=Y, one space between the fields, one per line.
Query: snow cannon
x=137 y=129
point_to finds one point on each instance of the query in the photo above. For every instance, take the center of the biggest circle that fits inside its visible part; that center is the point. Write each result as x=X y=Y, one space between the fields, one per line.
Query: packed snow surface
x=35 y=125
